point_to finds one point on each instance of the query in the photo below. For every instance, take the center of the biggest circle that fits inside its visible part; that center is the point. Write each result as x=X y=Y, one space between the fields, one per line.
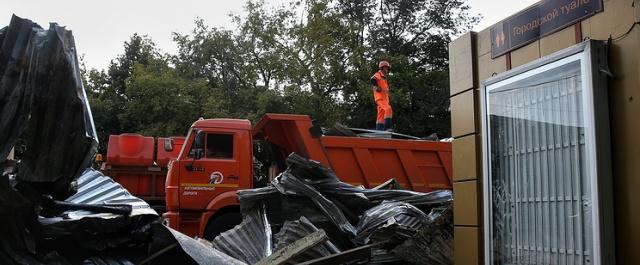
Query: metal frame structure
x=592 y=58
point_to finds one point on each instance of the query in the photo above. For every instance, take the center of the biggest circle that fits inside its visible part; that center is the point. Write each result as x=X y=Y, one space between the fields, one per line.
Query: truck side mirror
x=198 y=145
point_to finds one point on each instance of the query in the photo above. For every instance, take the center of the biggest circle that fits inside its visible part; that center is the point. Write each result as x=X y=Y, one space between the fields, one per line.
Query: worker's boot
x=380 y=126
x=388 y=124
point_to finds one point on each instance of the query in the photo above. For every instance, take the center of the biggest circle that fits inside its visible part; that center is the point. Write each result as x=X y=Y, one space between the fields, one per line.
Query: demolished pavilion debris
x=55 y=209
x=43 y=102
x=308 y=194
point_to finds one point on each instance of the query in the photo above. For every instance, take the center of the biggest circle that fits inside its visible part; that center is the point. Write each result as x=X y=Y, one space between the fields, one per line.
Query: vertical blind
x=539 y=185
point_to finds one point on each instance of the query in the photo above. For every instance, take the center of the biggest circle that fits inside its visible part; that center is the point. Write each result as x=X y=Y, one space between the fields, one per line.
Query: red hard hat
x=383 y=64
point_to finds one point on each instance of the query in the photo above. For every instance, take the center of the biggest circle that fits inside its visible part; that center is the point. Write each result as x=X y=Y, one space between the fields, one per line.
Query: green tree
x=107 y=89
x=313 y=57
x=233 y=72
x=162 y=103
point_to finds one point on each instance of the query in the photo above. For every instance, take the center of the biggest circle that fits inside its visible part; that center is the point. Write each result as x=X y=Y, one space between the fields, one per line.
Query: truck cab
x=215 y=161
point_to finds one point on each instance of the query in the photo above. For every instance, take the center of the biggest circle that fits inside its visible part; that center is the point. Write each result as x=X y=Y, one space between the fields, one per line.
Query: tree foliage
x=312 y=57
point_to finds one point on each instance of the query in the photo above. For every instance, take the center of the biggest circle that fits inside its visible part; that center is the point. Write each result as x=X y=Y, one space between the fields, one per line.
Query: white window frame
x=592 y=56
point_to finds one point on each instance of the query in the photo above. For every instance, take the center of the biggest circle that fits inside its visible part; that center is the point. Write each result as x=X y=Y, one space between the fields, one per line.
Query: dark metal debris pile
x=55 y=209
x=42 y=102
x=363 y=226
x=292 y=231
x=256 y=230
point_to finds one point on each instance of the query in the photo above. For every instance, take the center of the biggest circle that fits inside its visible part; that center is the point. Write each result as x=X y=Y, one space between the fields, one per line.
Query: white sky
x=101 y=27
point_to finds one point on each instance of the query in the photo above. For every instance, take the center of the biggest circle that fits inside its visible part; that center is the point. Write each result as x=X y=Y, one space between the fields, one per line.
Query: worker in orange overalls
x=381 y=96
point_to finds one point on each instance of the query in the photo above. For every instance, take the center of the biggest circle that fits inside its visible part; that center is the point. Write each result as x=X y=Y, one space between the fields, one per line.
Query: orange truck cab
x=217 y=159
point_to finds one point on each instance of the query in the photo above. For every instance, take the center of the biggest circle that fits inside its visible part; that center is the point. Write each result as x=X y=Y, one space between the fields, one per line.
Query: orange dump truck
x=139 y=163
x=217 y=160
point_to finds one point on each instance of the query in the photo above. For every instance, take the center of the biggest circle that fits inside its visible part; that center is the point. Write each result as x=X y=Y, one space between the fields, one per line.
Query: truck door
x=216 y=171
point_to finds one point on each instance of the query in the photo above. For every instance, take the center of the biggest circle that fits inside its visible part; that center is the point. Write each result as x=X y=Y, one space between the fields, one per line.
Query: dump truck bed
x=419 y=165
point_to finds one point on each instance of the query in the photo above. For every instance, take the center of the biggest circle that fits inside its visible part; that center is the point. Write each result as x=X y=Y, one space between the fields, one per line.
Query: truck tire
x=221 y=224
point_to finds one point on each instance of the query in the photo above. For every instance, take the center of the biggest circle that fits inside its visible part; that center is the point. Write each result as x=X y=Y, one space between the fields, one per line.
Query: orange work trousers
x=384 y=111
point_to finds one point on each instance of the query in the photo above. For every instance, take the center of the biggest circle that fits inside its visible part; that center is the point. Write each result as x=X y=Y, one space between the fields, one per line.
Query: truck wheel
x=221 y=224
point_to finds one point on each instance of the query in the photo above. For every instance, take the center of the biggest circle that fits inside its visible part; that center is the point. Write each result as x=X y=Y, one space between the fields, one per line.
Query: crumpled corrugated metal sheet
x=200 y=253
x=341 y=203
x=327 y=182
x=282 y=208
x=289 y=184
x=96 y=188
x=250 y=241
x=80 y=232
x=74 y=235
x=383 y=256
x=106 y=260
x=433 y=244
x=43 y=101
x=390 y=214
x=294 y=230
x=309 y=178
x=17 y=244
x=249 y=197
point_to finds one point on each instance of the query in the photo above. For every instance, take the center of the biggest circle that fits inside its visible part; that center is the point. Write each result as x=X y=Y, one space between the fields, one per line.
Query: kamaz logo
x=216 y=177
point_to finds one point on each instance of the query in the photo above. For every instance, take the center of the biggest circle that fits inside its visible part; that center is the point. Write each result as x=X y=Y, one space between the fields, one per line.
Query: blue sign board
x=537 y=21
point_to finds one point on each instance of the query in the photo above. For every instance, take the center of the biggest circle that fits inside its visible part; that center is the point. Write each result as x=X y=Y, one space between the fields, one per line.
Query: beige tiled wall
x=463 y=121
x=557 y=41
x=464 y=148
x=465 y=203
x=464 y=128
x=467 y=247
x=461 y=59
x=525 y=54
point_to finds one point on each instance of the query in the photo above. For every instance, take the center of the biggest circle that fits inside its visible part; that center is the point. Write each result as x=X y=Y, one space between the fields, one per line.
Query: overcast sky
x=101 y=27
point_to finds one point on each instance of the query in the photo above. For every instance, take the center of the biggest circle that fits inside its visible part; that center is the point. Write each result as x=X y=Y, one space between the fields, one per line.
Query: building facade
x=477 y=61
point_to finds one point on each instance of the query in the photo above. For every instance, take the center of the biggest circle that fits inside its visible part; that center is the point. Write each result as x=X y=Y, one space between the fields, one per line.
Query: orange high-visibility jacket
x=380 y=80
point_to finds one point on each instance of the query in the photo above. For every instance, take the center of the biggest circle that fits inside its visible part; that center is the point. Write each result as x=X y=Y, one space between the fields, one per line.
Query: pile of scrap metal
x=55 y=209
x=307 y=215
